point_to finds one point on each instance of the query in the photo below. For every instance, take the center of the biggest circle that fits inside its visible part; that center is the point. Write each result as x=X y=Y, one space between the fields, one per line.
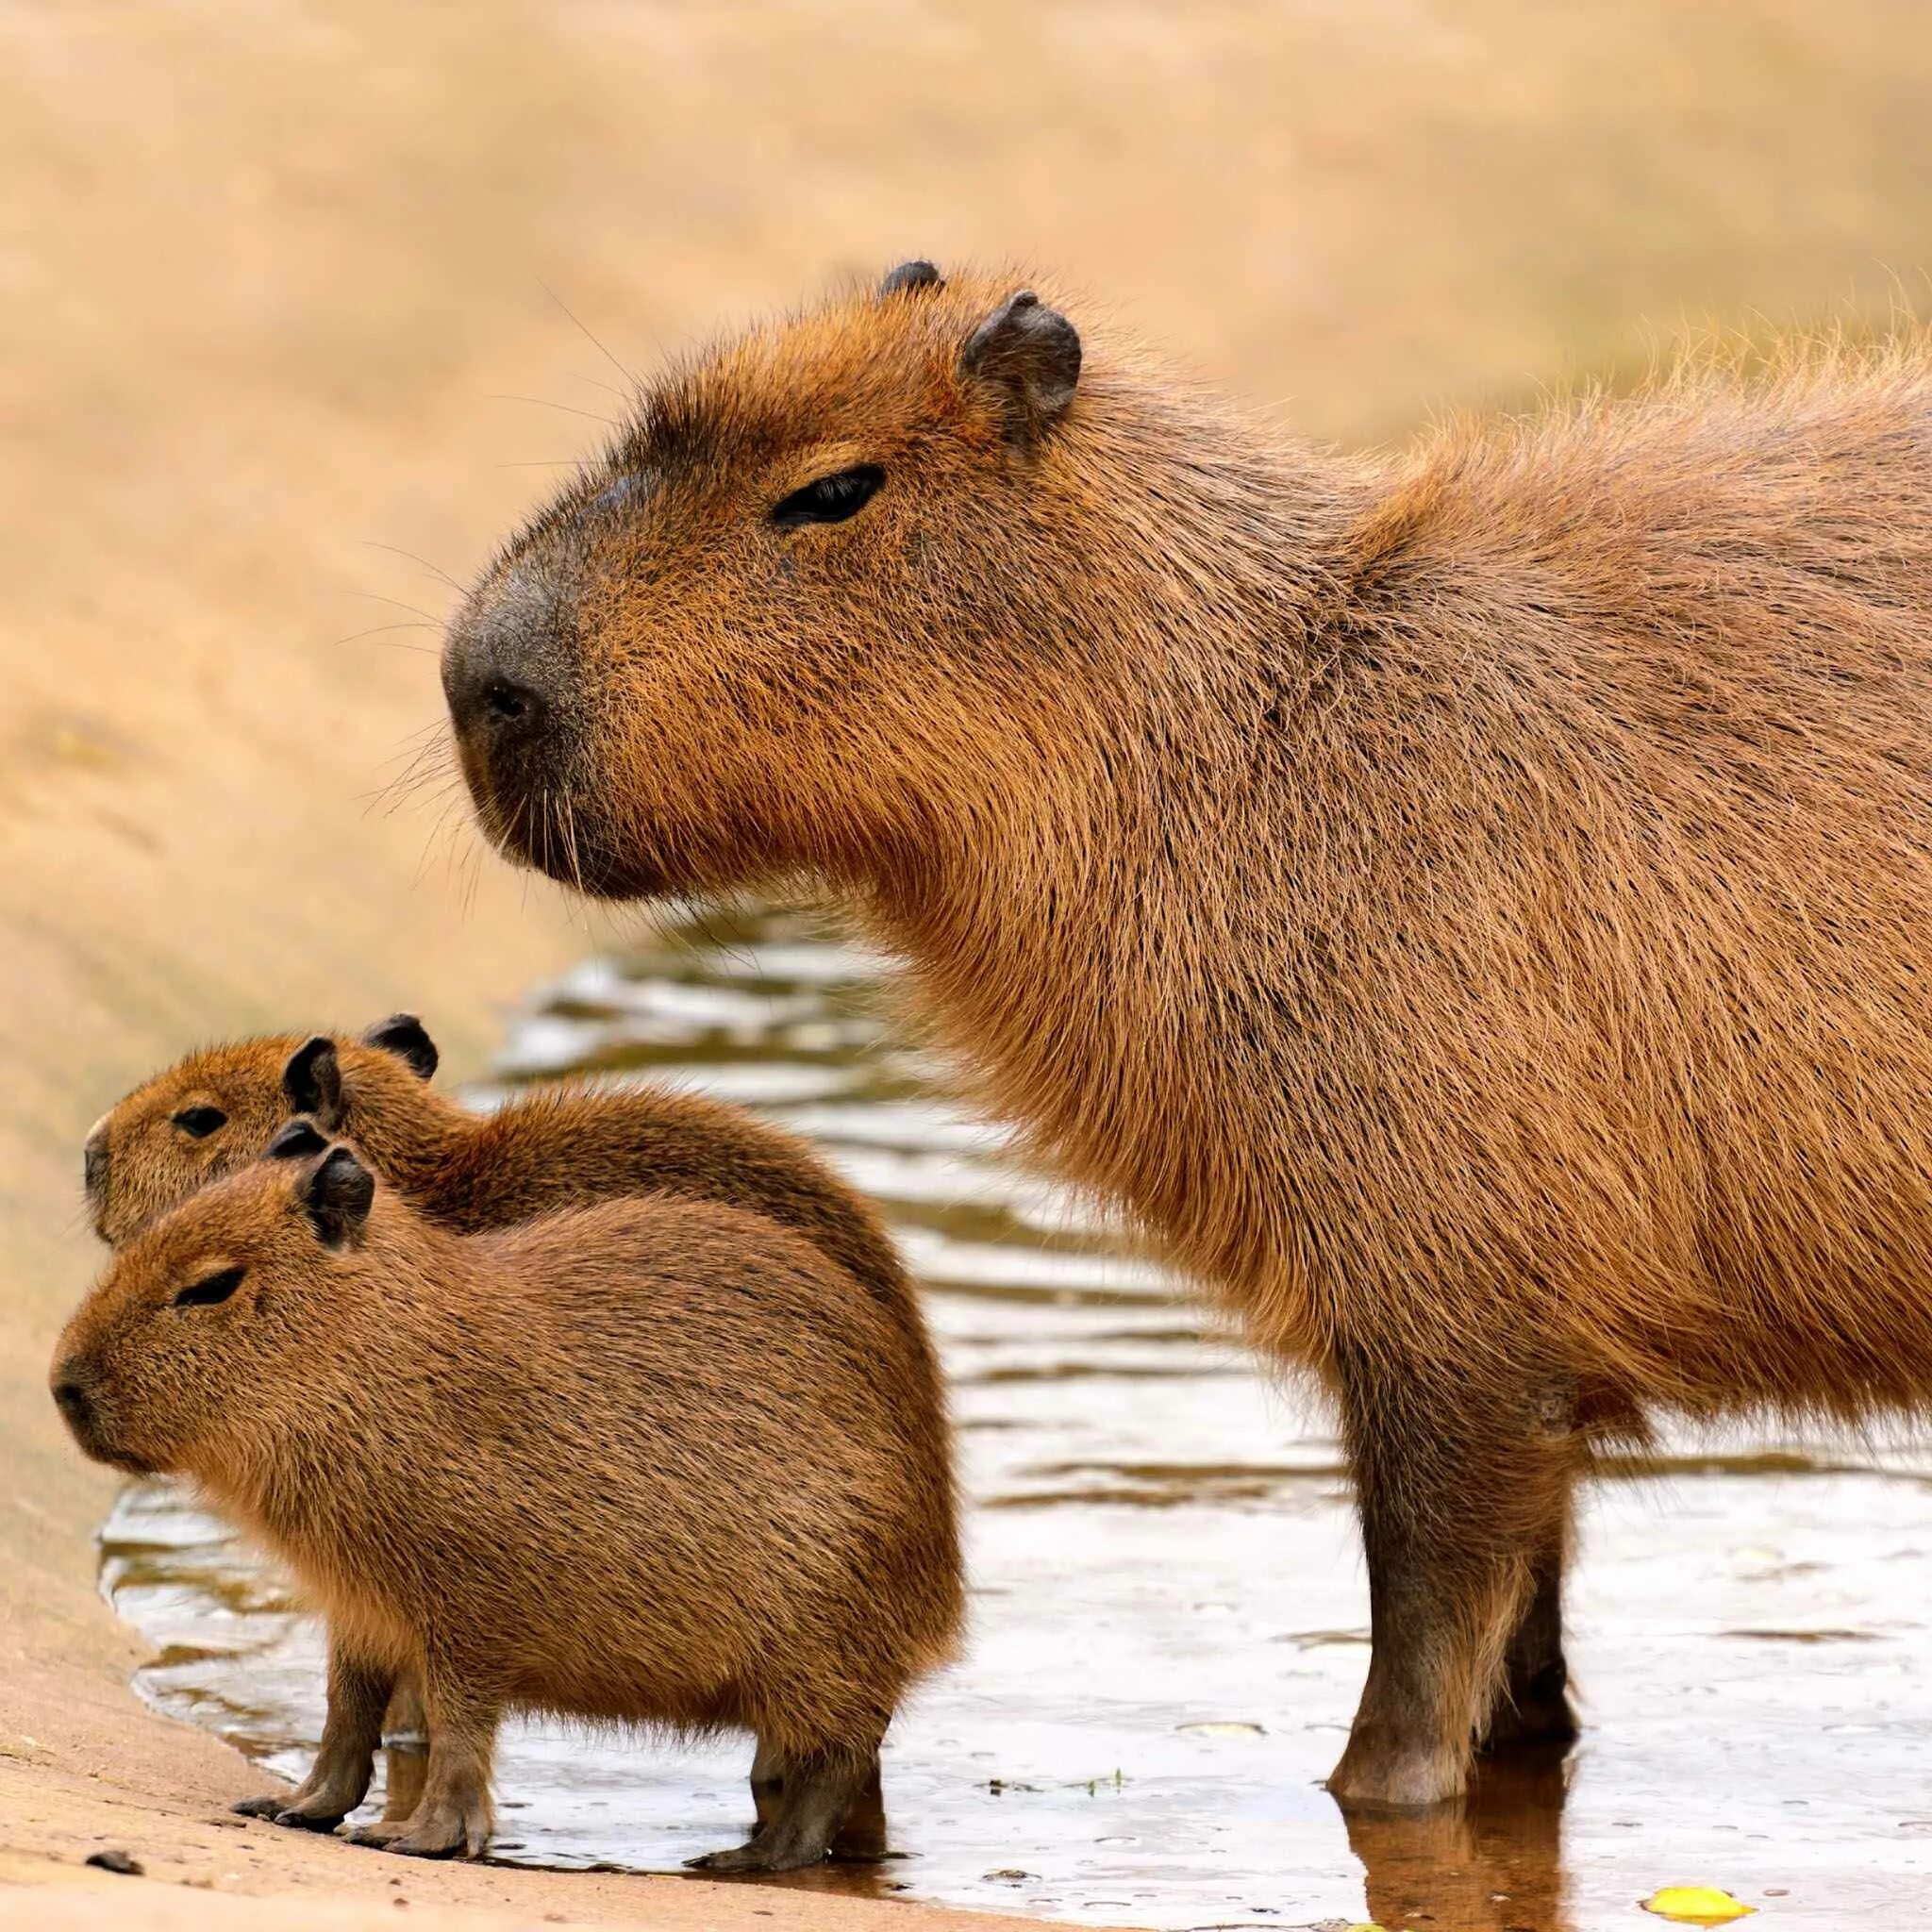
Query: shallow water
x=1168 y=1617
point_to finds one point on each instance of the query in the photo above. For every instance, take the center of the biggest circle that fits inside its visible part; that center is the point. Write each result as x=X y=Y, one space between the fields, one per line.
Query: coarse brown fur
x=650 y=1461
x=555 y=1146
x=559 y=1145
x=1471 y=908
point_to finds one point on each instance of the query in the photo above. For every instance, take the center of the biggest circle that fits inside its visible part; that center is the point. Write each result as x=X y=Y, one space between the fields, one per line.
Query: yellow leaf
x=1696 y=1905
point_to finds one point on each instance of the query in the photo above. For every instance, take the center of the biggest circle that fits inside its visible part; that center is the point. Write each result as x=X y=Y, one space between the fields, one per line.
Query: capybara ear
x=1031 y=354
x=338 y=1197
x=912 y=275
x=312 y=1081
x=294 y=1141
x=402 y=1033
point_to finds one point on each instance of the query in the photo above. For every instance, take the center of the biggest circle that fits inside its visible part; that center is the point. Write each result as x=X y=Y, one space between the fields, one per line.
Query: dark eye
x=200 y=1121
x=217 y=1287
x=831 y=499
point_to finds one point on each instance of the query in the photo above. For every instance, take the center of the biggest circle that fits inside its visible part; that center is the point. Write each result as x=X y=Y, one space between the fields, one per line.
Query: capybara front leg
x=453 y=1818
x=1458 y=1491
x=818 y=1791
x=1534 y=1707
x=339 y=1780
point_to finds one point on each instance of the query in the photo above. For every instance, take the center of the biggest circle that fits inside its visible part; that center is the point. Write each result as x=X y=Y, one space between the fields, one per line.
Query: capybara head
x=819 y=582
x=215 y=1111
x=191 y=1318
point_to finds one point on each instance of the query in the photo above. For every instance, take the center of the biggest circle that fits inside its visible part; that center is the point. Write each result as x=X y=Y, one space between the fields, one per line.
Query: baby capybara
x=553 y=1146
x=1472 y=906
x=652 y=1462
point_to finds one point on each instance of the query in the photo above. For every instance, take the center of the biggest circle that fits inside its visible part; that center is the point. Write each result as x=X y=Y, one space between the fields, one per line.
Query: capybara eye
x=831 y=499
x=200 y=1121
x=217 y=1287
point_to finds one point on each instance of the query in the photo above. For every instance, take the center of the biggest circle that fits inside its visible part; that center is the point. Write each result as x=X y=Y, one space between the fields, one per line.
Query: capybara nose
x=73 y=1402
x=505 y=656
x=94 y=1165
x=487 y=704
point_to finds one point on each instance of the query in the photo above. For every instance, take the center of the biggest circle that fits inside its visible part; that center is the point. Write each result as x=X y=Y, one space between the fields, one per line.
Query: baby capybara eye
x=831 y=499
x=214 y=1288
x=200 y=1121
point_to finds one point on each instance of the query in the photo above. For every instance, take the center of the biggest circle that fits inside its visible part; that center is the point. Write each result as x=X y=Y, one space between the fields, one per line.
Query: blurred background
x=301 y=305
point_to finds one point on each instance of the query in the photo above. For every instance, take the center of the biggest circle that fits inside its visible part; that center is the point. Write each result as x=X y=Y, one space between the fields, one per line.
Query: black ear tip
x=311 y=1082
x=294 y=1141
x=911 y=274
x=340 y=1191
x=405 y=1034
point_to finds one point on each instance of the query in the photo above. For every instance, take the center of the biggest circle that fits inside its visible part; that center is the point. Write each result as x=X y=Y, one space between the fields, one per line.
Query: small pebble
x=115 y=1860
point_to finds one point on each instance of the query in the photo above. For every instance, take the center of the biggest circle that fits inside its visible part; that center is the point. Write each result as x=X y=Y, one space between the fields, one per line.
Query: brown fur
x=556 y=1147
x=651 y=1462
x=562 y=1146
x=1473 y=908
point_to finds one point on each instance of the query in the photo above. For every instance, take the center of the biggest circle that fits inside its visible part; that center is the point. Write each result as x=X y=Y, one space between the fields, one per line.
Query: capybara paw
x=319 y=1814
x=1374 y=1773
x=261 y=1807
x=762 y=1854
x=1536 y=1711
x=1530 y=1718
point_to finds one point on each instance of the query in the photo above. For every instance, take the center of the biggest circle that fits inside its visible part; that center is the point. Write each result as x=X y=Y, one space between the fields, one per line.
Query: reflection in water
x=1168 y=1611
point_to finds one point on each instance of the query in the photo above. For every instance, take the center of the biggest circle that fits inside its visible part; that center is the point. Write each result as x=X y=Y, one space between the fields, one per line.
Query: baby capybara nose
x=94 y=1166
x=73 y=1402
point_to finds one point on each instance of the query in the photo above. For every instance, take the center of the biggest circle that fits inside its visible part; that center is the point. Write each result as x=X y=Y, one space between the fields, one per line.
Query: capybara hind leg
x=1534 y=1707
x=339 y=1779
x=405 y=1749
x=453 y=1818
x=1457 y=1496
x=860 y=1838
x=767 y=1783
x=818 y=1792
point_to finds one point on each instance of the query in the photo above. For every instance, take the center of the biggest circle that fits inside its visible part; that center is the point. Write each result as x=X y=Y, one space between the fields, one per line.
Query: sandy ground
x=271 y=281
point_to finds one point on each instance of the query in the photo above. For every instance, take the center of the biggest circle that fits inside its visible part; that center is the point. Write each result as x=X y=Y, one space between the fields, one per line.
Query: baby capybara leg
x=1459 y=1487
x=1534 y=1707
x=453 y=1818
x=404 y=1749
x=816 y=1793
x=338 y=1781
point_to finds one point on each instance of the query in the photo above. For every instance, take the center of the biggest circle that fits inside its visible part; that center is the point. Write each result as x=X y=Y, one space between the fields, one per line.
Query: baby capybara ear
x=1031 y=354
x=312 y=1081
x=402 y=1033
x=337 y=1196
x=294 y=1141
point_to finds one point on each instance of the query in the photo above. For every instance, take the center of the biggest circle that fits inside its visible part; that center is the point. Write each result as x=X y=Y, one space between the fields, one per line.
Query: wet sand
x=1169 y=1613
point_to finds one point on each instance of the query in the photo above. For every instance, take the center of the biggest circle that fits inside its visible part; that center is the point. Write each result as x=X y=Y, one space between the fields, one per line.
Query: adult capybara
x=655 y=1460
x=1471 y=907
x=563 y=1146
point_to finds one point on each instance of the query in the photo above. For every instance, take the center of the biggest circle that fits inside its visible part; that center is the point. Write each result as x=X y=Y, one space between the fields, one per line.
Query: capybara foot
x=313 y=1814
x=1378 y=1769
x=1535 y=1712
x=261 y=1807
x=446 y=1832
x=767 y=1852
